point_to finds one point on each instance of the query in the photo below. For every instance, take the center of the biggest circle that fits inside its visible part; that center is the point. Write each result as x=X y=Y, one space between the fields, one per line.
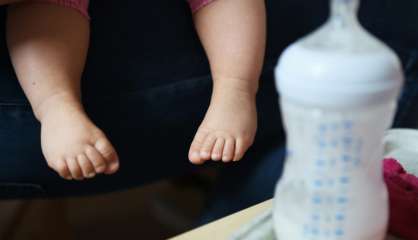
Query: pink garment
x=79 y=5
x=403 y=198
x=198 y=4
x=82 y=5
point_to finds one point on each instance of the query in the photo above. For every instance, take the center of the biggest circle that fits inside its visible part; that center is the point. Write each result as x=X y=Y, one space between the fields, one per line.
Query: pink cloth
x=79 y=5
x=82 y=5
x=198 y=4
x=403 y=198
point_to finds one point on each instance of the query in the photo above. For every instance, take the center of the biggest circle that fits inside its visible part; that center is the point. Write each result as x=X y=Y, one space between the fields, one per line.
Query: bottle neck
x=344 y=12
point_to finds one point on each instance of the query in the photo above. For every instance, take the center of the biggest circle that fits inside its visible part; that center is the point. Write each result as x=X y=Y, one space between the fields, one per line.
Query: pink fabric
x=198 y=4
x=82 y=5
x=79 y=5
x=403 y=197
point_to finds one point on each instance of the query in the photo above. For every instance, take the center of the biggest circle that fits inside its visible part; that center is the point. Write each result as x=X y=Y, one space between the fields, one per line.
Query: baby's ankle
x=56 y=102
x=234 y=84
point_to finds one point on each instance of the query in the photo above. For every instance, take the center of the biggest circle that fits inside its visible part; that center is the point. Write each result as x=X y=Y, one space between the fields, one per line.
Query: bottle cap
x=333 y=78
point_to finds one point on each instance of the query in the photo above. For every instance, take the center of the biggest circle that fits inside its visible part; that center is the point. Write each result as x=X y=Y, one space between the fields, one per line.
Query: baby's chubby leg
x=233 y=33
x=48 y=45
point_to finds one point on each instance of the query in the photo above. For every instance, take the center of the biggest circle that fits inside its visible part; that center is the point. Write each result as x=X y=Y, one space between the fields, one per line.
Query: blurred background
x=156 y=211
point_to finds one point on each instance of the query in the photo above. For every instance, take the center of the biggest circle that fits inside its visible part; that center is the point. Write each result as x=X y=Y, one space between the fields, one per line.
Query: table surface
x=222 y=229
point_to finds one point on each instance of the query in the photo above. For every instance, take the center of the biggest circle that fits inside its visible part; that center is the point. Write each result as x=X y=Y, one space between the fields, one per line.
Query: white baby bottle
x=338 y=90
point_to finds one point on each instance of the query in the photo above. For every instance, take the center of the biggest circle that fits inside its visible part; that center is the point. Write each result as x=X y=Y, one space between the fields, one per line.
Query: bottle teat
x=340 y=64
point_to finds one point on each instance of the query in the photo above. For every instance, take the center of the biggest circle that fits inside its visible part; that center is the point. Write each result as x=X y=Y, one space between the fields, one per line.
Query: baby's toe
x=229 y=150
x=62 y=169
x=218 y=149
x=207 y=147
x=109 y=154
x=241 y=146
x=239 y=149
x=96 y=159
x=194 y=152
x=74 y=168
x=87 y=167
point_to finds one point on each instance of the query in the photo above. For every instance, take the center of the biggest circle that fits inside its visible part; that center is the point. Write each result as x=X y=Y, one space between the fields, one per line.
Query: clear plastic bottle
x=338 y=89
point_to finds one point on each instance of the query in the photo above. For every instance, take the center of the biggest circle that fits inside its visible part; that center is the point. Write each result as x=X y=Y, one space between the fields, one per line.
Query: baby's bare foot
x=228 y=128
x=72 y=145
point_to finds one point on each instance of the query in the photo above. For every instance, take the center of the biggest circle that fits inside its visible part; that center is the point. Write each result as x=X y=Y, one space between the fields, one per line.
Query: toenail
x=114 y=166
x=101 y=169
x=195 y=155
x=205 y=154
x=90 y=175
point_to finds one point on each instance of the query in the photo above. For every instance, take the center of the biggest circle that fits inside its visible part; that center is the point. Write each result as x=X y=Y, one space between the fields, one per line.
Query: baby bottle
x=338 y=90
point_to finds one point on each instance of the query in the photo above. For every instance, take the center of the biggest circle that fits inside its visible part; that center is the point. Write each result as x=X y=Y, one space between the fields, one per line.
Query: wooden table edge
x=223 y=228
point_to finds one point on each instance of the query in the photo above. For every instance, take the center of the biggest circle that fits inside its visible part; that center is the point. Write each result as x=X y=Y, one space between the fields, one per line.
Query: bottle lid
x=335 y=78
